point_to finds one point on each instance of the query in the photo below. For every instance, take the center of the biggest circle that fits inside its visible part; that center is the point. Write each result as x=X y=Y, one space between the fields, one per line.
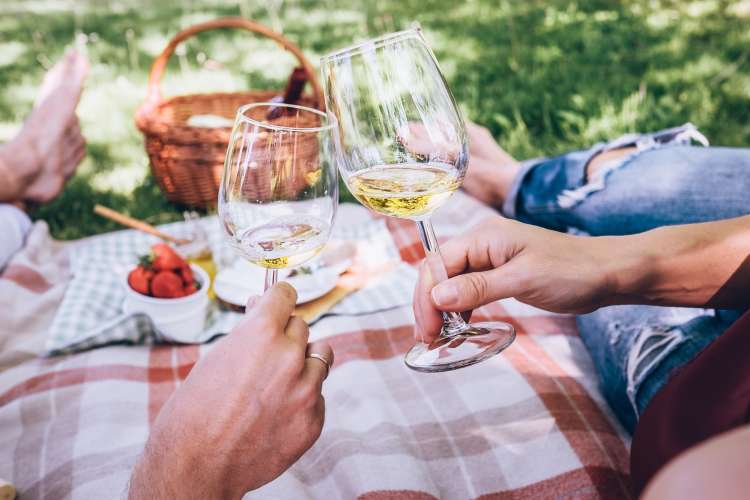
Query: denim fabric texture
x=666 y=181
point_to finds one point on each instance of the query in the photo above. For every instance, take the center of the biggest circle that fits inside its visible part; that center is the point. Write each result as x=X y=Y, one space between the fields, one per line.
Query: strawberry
x=165 y=258
x=139 y=279
x=167 y=285
x=187 y=274
x=190 y=289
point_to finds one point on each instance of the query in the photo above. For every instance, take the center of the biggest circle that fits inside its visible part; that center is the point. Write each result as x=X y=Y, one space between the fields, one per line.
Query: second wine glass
x=402 y=150
x=279 y=190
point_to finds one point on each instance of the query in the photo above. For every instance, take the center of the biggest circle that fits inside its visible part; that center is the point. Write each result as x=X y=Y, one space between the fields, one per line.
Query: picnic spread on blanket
x=527 y=423
x=98 y=335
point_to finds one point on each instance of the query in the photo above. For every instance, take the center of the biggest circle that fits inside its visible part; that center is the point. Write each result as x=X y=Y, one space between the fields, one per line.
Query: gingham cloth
x=529 y=423
x=91 y=313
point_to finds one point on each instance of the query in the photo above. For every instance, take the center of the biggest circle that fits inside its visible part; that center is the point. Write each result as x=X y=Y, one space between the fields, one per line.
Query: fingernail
x=289 y=288
x=251 y=302
x=444 y=294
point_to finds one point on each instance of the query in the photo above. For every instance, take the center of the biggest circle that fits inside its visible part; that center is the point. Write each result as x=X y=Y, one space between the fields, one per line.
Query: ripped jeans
x=665 y=181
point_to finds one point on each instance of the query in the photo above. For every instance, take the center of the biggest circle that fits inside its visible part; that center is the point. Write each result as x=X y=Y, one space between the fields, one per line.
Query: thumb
x=251 y=301
x=472 y=290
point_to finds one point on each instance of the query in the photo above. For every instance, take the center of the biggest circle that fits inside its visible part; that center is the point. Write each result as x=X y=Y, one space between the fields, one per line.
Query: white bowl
x=179 y=320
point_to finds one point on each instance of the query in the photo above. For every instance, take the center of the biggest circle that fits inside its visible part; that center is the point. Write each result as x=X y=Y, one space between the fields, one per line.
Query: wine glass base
x=477 y=342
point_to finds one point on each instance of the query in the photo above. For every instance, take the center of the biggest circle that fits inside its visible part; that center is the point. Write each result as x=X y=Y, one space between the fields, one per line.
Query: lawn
x=544 y=76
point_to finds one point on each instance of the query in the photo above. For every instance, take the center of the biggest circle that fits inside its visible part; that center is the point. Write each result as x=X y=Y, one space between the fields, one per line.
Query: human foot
x=491 y=170
x=49 y=147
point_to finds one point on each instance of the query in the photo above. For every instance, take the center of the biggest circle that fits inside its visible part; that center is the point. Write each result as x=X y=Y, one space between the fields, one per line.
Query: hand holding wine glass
x=402 y=150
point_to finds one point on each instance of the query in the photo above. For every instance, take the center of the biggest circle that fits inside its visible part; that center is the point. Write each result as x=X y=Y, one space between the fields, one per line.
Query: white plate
x=312 y=286
x=237 y=283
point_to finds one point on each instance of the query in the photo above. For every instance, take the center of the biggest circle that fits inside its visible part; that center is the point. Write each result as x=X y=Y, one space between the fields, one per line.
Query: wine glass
x=402 y=151
x=279 y=189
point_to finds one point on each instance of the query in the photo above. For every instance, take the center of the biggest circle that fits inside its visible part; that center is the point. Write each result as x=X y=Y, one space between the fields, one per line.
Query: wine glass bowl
x=403 y=143
x=402 y=151
x=279 y=189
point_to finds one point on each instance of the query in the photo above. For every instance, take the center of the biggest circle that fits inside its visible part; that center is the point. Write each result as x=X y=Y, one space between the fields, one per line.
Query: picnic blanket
x=32 y=286
x=529 y=423
x=91 y=313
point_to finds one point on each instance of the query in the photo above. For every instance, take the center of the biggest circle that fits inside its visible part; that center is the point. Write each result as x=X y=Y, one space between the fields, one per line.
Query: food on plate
x=163 y=274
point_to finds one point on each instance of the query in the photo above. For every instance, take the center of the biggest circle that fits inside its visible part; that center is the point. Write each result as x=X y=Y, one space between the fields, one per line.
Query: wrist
x=166 y=471
x=630 y=267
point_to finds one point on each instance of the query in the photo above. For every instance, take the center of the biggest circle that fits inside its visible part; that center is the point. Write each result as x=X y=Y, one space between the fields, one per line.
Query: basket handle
x=153 y=94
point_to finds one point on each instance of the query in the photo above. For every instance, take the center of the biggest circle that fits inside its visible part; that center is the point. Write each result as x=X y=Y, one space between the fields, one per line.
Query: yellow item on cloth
x=206 y=262
x=7 y=490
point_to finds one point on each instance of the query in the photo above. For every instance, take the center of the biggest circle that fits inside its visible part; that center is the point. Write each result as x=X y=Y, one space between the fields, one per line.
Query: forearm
x=697 y=265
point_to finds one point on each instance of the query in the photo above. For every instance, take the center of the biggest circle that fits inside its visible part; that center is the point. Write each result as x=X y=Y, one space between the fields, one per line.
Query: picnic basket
x=187 y=160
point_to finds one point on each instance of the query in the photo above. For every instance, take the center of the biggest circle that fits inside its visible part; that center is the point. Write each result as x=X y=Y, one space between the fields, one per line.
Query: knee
x=714 y=469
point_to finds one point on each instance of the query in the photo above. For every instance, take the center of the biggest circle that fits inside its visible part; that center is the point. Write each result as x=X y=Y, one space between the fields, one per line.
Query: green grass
x=545 y=76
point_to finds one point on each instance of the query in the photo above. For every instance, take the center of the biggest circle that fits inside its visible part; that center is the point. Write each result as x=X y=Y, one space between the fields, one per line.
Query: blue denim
x=666 y=181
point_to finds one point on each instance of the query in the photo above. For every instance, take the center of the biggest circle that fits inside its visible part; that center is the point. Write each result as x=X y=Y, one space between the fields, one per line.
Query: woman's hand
x=247 y=411
x=503 y=258
x=693 y=265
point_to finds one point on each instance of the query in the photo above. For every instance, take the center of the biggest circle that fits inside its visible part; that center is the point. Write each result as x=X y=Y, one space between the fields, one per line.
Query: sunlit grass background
x=544 y=76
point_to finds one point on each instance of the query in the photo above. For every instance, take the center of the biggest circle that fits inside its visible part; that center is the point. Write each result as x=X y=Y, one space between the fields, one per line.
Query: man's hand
x=503 y=258
x=247 y=411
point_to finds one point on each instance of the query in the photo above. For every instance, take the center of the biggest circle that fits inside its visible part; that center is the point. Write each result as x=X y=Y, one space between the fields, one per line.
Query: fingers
x=472 y=290
x=275 y=306
x=316 y=370
x=251 y=302
x=482 y=252
x=468 y=252
x=428 y=320
x=298 y=331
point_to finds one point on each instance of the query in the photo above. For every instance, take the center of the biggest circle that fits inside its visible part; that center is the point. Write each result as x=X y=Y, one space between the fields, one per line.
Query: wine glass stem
x=453 y=323
x=272 y=276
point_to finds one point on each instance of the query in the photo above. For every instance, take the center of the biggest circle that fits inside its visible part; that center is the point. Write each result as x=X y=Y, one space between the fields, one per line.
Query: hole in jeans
x=649 y=348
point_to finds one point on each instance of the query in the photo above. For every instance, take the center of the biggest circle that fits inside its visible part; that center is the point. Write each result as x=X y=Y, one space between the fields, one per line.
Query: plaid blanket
x=529 y=423
x=91 y=313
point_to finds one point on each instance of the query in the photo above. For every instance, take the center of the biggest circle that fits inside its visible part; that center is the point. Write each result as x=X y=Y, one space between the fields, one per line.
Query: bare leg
x=716 y=468
x=36 y=163
x=491 y=170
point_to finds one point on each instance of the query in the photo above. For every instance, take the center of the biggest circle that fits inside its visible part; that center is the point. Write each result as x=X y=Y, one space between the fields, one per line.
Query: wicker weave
x=187 y=161
x=281 y=164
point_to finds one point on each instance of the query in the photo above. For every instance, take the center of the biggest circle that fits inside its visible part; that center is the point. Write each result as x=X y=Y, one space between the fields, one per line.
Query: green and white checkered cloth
x=91 y=313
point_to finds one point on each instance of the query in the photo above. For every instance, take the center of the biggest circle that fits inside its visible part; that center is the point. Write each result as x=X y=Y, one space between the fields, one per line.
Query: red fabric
x=708 y=396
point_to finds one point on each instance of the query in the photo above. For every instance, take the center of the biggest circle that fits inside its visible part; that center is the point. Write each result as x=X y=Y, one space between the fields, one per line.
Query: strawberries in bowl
x=173 y=293
x=163 y=274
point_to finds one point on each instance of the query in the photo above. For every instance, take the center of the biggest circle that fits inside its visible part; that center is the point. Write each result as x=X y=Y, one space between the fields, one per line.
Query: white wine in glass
x=403 y=190
x=279 y=190
x=402 y=151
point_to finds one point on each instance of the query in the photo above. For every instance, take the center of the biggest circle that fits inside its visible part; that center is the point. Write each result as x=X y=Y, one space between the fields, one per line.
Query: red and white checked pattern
x=528 y=423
